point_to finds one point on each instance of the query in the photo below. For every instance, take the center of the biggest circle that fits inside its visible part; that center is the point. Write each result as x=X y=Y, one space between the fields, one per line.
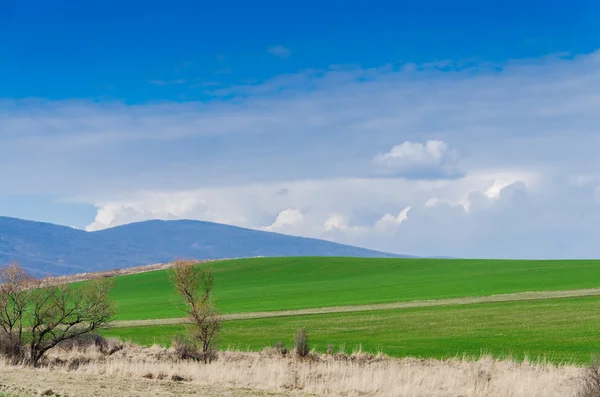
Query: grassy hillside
x=560 y=330
x=265 y=284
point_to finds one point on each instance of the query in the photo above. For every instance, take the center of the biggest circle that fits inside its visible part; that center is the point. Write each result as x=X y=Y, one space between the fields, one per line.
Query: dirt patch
x=29 y=382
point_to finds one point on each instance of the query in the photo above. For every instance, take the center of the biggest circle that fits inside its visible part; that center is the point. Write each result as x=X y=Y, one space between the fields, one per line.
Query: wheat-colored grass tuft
x=357 y=374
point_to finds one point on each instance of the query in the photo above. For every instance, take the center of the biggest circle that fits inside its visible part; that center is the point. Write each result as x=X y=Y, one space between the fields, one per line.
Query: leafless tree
x=41 y=314
x=195 y=285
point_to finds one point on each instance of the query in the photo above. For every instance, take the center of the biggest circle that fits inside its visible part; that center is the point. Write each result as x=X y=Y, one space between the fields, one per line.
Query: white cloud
x=279 y=51
x=433 y=202
x=432 y=159
x=329 y=207
x=286 y=218
x=391 y=220
x=496 y=188
x=155 y=205
x=335 y=222
x=526 y=132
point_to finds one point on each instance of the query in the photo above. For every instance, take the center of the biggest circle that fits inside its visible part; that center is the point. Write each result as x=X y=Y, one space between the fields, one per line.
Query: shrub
x=113 y=346
x=280 y=349
x=77 y=362
x=11 y=349
x=184 y=348
x=83 y=342
x=188 y=349
x=86 y=341
x=302 y=347
x=590 y=381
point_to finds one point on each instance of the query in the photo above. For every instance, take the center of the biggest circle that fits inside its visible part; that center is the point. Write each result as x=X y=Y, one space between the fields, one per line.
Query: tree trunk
x=36 y=356
x=35 y=359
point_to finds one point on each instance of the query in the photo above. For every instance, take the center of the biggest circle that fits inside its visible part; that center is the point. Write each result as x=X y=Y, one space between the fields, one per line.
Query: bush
x=590 y=382
x=84 y=342
x=114 y=345
x=302 y=348
x=280 y=349
x=11 y=349
x=187 y=349
x=184 y=348
x=77 y=362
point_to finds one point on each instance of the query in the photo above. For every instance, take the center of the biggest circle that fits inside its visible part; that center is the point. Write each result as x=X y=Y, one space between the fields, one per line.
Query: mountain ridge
x=46 y=248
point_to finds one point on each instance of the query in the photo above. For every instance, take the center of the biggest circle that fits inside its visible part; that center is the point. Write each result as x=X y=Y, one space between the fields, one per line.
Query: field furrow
x=521 y=296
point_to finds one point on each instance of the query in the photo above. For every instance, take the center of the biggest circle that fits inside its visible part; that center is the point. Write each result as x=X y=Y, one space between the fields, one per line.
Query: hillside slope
x=277 y=284
x=47 y=248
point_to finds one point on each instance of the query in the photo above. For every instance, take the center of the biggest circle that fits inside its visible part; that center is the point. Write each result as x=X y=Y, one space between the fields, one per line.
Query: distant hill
x=45 y=248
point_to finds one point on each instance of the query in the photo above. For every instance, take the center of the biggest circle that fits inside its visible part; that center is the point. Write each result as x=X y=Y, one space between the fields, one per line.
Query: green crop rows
x=265 y=284
x=557 y=329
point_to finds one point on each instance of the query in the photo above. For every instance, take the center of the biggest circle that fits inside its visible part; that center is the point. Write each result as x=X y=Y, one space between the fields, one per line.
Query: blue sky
x=113 y=49
x=446 y=128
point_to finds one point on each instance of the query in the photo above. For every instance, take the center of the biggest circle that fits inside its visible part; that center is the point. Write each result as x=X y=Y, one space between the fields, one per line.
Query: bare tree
x=195 y=284
x=40 y=315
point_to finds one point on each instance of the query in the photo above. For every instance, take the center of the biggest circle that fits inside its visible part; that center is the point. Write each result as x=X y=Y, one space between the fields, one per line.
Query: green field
x=565 y=329
x=266 y=284
x=559 y=330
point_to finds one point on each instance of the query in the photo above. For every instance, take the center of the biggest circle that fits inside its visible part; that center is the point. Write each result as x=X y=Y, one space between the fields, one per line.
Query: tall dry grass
x=54 y=280
x=337 y=375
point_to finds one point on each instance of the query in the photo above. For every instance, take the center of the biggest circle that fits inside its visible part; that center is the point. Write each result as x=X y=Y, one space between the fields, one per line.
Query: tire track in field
x=514 y=297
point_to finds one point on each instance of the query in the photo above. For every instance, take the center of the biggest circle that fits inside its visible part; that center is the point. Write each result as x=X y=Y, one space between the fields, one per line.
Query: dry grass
x=128 y=270
x=111 y=273
x=236 y=373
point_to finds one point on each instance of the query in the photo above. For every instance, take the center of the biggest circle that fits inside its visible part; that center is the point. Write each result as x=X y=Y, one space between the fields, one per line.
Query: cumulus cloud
x=286 y=218
x=526 y=132
x=329 y=207
x=495 y=190
x=279 y=51
x=432 y=159
x=494 y=226
x=391 y=220
x=164 y=206
x=335 y=222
